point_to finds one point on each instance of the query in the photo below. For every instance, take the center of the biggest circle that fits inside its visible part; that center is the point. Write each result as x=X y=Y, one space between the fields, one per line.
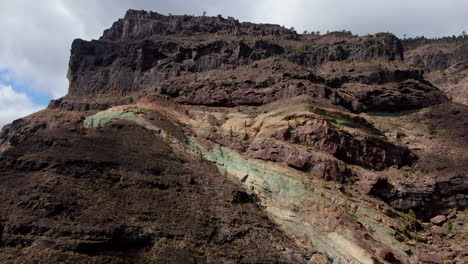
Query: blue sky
x=37 y=35
x=39 y=98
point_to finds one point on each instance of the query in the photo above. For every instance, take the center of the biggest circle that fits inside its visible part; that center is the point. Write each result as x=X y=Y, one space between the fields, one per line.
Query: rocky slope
x=205 y=140
x=445 y=61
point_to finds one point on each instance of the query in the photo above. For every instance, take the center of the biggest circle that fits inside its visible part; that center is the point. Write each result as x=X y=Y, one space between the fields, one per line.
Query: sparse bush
x=294 y=139
x=348 y=189
x=340 y=123
x=431 y=129
x=346 y=208
x=449 y=227
x=305 y=47
x=81 y=131
x=412 y=222
x=130 y=100
x=57 y=116
x=167 y=138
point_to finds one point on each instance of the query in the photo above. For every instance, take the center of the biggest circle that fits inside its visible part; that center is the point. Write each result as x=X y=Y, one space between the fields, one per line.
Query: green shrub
x=81 y=131
x=431 y=129
x=341 y=123
x=167 y=138
x=412 y=223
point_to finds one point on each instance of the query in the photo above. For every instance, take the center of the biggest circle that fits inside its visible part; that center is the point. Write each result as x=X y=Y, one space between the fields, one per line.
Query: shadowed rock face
x=205 y=140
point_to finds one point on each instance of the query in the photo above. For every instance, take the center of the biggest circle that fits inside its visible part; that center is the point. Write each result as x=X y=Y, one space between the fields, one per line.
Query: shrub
x=81 y=131
x=167 y=138
x=412 y=222
x=340 y=123
x=431 y=129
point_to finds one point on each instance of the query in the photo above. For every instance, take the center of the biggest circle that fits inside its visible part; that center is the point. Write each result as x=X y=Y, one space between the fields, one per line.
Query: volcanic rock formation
x=205 y=140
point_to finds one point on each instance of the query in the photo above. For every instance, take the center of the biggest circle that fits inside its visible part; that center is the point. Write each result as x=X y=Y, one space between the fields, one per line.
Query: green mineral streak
x=104 y=118
x=288 y=191
x=272 y=185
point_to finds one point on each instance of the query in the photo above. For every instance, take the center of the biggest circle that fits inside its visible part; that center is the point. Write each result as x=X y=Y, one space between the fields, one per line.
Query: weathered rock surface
x=438 y=220
x=142 y=51
x=445 y=61
x=142 y=24
x=73 y=204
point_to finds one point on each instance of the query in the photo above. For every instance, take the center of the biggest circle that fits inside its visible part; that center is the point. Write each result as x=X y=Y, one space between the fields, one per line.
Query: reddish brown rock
x=370 y=152
x=318 y=166
x=439 y=220
x=430 y=258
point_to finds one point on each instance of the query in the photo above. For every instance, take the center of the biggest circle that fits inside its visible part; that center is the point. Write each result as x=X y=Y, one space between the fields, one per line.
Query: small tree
x=204 y=13
x=413 y=222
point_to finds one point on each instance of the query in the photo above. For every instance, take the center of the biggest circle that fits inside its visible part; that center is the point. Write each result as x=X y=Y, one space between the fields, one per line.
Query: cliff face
x=446 y=63
x=144 y=49
x=137 y=25
x=205 y=140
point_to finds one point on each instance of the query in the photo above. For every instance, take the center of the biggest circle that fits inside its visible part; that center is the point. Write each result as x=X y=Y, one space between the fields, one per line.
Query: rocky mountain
x=445 y=62
x=205 y=140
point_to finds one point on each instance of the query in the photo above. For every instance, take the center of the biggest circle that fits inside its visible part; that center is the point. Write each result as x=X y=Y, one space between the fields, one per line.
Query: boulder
x=439 y=220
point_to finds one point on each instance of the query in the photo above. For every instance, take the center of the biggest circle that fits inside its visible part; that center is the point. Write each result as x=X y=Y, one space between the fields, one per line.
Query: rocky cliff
x=205 y=140
x=445 y=61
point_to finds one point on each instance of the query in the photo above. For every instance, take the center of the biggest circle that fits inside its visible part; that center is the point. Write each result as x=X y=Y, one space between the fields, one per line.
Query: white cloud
x=35 y=48
x=430 y=18
x=14 y=105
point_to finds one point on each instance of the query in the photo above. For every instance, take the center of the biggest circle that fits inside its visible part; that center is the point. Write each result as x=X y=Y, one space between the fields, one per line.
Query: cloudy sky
x=36 y=35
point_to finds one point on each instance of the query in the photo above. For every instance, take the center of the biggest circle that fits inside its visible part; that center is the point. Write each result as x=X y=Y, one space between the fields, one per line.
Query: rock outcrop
x=446 y=62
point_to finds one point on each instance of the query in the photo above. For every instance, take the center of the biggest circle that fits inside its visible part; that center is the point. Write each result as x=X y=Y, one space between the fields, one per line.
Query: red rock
x=384 y=253
x=430 y=258
x=439 y=220
x=368 y=179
